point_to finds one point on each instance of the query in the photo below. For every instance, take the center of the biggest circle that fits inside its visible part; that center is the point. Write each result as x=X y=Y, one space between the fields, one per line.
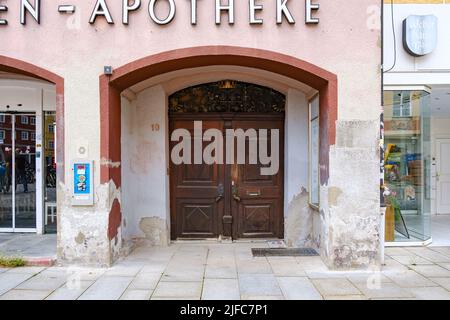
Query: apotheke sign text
x=222 y=7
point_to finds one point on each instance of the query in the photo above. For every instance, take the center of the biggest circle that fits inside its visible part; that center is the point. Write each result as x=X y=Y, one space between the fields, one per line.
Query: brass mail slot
x=254 y=193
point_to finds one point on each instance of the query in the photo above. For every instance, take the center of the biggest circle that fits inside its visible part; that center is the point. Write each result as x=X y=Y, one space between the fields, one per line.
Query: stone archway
x=128 y=75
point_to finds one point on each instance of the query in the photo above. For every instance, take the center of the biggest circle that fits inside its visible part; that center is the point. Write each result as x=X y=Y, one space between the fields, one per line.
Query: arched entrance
x=137 y=71
x=229 y=195
x=24 y=68
x=32 y=102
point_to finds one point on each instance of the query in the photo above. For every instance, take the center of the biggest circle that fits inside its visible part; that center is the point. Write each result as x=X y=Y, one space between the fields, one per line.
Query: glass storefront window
x=407 y=165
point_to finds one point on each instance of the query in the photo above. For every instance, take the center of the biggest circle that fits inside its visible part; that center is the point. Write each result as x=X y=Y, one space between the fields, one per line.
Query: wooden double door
x=227 y=200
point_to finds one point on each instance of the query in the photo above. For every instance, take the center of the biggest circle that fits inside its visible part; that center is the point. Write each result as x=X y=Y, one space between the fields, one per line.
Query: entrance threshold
x=409 y=244
x=271 y=243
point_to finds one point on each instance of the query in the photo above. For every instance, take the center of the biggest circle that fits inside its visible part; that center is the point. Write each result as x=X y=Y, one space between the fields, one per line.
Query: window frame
x=402 y=106
x=27 y=134
x=22 y=118
x=315 y=206
x=3 y=132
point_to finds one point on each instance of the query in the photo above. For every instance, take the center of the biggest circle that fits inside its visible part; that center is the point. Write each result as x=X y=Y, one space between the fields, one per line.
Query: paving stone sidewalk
x=30 y=246
x=229 y=271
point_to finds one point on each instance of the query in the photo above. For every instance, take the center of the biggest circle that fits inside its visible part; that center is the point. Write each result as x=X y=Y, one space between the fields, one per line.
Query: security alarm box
x=83 y=183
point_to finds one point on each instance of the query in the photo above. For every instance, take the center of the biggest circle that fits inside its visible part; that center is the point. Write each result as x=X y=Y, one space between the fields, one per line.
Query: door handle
x=220 y=191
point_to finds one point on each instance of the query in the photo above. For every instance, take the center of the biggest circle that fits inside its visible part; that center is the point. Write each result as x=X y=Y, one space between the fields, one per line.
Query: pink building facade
x=108 y=69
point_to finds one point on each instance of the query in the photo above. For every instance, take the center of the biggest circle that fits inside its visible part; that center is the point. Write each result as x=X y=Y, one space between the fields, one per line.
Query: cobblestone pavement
x=229 y=271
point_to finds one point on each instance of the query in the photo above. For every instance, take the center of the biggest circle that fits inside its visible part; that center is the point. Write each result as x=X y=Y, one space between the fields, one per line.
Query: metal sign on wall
x=420 y=34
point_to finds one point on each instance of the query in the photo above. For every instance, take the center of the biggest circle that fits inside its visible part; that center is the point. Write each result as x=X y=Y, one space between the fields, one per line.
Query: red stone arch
x=130 y=74
x=24 y=68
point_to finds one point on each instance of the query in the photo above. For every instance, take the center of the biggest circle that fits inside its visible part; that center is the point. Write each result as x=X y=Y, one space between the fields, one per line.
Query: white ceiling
x=176 y=80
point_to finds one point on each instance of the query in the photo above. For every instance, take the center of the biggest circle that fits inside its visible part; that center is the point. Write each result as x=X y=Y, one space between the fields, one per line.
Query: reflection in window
x=402 y=104
x=24 y=135
x=407 y=165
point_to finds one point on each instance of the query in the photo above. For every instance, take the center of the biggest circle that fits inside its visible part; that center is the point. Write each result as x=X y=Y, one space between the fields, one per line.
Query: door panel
x=196 y=205
x=25 y=173
x=229 y=200
x=257 y=218
x=443 y=176
x=257 y=201
x=197 y=218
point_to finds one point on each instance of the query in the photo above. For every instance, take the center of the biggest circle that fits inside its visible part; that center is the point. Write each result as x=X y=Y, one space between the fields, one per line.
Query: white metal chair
x=50 y=212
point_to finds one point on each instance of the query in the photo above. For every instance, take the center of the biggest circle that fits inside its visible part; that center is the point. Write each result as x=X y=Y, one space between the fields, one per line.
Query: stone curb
x=40 y=261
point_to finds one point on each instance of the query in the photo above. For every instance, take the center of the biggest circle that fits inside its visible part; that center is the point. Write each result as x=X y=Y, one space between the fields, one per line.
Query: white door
x=443 y=176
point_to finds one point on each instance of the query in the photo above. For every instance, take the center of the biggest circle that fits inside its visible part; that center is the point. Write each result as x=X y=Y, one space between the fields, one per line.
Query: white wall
x=144 y=163
x=296 y=145
x=417 y=70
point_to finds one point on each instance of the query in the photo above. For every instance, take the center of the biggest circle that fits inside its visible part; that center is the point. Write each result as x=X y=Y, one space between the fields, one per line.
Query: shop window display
x=407 y=165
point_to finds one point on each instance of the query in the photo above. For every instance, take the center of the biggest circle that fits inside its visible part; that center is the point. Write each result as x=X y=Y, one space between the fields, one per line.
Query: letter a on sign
x=101 y=9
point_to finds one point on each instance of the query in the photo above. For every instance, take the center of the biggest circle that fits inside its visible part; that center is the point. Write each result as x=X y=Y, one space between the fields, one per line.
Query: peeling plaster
x=80 y=238
x=155 y=230
x=83 y=231
x=350 y=204
x=333 y=195
x=299 y=224
x=110 y=164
